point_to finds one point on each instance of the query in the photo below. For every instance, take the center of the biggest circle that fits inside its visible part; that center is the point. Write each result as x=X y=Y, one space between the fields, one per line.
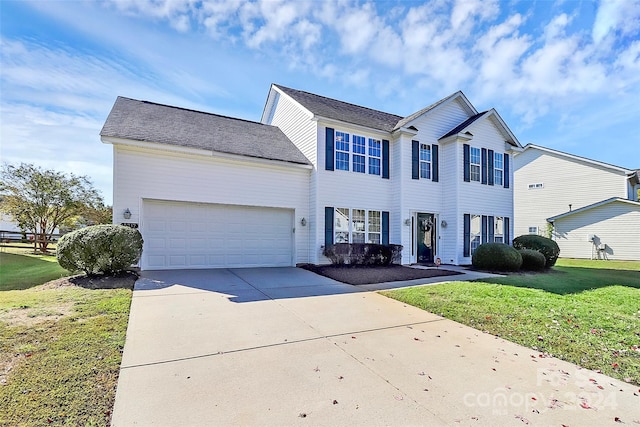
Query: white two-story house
x=212 y=191
x=590 y=208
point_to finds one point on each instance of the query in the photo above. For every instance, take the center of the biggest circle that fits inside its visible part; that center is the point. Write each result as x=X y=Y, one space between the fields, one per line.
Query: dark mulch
x=364 y=275
x=124 y=280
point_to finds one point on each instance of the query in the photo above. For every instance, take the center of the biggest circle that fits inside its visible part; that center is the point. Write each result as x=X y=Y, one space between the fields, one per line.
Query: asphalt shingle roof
x=150 y=122
x=343 y=111
x=462 y=126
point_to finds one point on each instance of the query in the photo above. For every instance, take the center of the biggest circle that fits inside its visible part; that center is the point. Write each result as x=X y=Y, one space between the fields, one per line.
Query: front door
x=426 y=232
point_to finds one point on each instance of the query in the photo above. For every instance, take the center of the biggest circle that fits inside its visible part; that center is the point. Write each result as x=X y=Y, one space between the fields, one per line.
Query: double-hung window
x=341 y=225
x=476 y=232
x=498 y=168
x=357 y=226
x=498 y=229
x=374 y=228
x=474 y=164
x=374 y=156
x=359 y=151
x=342 y=151
x=425 y=161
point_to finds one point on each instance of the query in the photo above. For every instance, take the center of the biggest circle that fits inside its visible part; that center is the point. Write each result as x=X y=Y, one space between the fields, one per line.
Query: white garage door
x=197 y=235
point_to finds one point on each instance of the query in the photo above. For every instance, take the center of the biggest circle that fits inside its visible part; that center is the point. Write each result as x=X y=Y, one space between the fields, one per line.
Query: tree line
x=42 y=200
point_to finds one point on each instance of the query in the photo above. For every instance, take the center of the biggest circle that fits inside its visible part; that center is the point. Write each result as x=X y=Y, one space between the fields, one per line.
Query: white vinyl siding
x=545 y=183
x=141 y=174
x=614 y=225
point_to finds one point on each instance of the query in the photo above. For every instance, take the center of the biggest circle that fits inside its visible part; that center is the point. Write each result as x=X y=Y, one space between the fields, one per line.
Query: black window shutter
x=490 y=229
x=490 y=161
x=385 y=228
x=415 y=159
x=466 y=235
x=328 y=161
x=434 y=163
x=484 y=165
x=483 y=231
x=507 y=236
x=328 y=226
x=385 y=159
x=467 y=163
x=506 y=170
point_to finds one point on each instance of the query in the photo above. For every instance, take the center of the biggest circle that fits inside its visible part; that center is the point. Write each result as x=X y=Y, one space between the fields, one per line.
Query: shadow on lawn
x=570 y=280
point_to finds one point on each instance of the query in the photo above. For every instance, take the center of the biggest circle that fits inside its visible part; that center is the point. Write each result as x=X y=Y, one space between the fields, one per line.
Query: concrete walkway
x=283 y=346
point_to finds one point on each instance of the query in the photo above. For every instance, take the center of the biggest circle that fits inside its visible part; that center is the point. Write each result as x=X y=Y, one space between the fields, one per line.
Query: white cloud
x=616 y=15
x=467 y=10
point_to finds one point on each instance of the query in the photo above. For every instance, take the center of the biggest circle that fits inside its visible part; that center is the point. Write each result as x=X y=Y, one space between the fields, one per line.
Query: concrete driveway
x=283 y=346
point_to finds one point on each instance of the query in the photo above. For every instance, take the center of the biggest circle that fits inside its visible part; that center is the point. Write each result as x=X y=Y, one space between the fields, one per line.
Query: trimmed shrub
x=546 y=247
x=363 y=253
x=532 y=260
x=496 y=257
x=100 y=249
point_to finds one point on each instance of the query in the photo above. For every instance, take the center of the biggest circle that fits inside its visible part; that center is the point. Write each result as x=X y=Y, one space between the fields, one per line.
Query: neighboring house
x=592 y=207
x=214 y=191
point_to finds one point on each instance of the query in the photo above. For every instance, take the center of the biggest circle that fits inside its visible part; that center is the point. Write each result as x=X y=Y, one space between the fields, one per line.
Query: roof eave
x=199 y=152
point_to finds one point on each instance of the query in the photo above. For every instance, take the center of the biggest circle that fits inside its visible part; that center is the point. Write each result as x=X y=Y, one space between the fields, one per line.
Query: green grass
x=584 y=312
x=571 y=276
x=64 y=348
x=22 y=270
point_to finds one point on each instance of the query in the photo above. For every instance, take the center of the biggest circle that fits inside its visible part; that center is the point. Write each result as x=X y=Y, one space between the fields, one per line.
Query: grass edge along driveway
x=60 y=349
x=583 y=312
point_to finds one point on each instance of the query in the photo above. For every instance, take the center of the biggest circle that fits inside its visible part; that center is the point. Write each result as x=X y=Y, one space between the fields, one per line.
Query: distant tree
x=89 y=215
x=40 y=200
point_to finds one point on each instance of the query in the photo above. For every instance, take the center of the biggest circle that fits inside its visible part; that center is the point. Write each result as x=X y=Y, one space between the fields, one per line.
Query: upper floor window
x=498 y=168
x=475 y=164
x=342 y=151
x=425 y=161
x=359 y=151
x=374 y=156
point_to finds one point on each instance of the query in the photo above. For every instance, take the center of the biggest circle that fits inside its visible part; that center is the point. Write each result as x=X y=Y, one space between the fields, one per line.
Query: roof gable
x=459 y=96
x=573 y=157
x=496 y=120
x=592 y=206
x=339 y=110
x=156 y=123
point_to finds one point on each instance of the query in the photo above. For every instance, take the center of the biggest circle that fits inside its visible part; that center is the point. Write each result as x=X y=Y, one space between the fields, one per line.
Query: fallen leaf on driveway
x=585 y=405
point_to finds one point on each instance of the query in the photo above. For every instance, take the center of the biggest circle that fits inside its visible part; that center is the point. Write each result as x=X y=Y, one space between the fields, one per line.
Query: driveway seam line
x=239 y=350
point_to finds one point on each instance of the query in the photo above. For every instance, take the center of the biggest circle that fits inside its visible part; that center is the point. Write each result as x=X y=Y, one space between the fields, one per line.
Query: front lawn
x=60 y=353
x=584 y=312
x=23 y=270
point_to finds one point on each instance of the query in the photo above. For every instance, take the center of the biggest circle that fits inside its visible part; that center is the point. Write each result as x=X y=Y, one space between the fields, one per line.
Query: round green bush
x=496 y=257
x=100 y=249
x=546 y=247
x=532 y=260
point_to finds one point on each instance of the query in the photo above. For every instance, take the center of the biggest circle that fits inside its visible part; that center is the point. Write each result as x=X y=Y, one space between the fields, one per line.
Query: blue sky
x=563 y=74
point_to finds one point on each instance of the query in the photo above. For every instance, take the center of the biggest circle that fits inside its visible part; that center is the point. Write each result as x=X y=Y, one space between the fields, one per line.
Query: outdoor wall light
x=407 y=221
x=303 y=222
x=126 y=213
x=443 y=224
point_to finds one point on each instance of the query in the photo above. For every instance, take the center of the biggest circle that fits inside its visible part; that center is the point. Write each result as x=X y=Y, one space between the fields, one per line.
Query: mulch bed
x=365 y=275
x=124 y=280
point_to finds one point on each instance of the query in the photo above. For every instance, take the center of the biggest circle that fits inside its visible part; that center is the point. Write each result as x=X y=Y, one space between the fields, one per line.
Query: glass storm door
x=426 y=232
